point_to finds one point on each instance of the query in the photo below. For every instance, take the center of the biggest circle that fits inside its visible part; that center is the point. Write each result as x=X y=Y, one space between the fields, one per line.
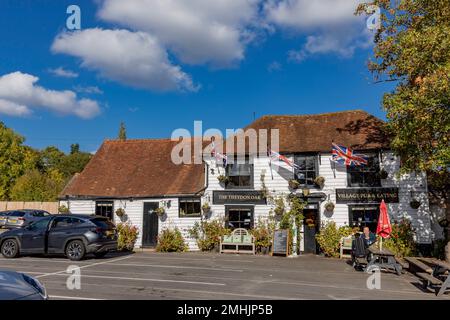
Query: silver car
x=20 y=286
x=21 y=218
x=4 y=217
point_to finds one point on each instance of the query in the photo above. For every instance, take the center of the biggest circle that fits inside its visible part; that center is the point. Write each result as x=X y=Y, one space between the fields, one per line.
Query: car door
x=60 y=230
x=34 y=236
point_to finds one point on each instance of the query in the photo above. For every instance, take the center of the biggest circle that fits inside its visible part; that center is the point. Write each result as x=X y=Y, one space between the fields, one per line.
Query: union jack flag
x=217 y=155
x=276 y=156
x=345 y=156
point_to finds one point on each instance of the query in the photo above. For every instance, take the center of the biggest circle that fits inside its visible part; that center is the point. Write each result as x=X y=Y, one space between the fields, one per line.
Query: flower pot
x=294 y=184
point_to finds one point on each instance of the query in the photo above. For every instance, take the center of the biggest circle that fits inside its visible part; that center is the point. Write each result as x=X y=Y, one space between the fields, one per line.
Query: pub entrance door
x=311 y=225
x=150 y=225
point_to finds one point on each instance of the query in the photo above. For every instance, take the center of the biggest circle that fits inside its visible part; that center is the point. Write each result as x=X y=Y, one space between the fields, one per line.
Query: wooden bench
x=345 y=244
x=415 y=263
x=240 y=241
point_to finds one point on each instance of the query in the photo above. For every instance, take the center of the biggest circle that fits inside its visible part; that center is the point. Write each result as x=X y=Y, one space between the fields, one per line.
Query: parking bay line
x=174 y=267
x=149 y=280
x=72 y=298
x=85 y=266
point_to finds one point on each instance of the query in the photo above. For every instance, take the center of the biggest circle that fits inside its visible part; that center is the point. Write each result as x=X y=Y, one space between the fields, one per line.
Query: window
x=240 y=175
x=307 y=171
x=104 y=208
x=239 y=217
x=365 y=175
x=40 y=214
x=189 y=207
x=39 y=225
x=364 y=216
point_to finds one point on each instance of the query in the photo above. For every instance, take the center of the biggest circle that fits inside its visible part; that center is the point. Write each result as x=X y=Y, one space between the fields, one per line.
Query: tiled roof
x=136 y=168
x=311 y=133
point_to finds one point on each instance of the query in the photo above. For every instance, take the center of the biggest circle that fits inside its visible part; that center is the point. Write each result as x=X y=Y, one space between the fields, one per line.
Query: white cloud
x=133 y=58
x=61 y=72
x=19 y=94
x=197 y=31
x=88 y=90
x=330 y=26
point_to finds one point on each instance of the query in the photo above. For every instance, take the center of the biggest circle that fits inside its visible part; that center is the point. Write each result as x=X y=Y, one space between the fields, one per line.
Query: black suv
x=72 y=235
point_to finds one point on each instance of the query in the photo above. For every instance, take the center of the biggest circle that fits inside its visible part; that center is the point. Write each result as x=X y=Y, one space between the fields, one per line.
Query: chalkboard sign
x=280 y=243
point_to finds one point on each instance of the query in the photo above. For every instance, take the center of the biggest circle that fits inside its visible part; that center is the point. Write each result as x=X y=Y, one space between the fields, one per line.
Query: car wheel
x=75 y=250
x=10 y=248
x=100 y=254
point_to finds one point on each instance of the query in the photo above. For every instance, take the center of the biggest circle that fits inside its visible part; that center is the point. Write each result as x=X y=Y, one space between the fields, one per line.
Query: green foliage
x=128 y=234
x=292 y=219
x=122 y=132
x=37 y=186
x=208 y=233
x=439 y=248
x=330 y=236
x=401 y=241
x=171 y=240
x=63 y=209
x=280 y=206
x=263 y=233
x=411 y=48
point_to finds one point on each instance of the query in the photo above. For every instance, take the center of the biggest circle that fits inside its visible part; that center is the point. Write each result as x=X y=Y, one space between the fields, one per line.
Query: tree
x=74 y=148
x=15 y=158
x=122 y=132
x=411 y=49
x=37 y=186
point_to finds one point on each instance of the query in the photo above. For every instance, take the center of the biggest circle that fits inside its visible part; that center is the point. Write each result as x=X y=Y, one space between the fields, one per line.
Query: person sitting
x=368 y=236
x=359 y=251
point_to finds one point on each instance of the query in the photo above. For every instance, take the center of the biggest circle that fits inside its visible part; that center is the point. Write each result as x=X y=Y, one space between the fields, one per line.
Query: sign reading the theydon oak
x=390 y=195
x=238 y=197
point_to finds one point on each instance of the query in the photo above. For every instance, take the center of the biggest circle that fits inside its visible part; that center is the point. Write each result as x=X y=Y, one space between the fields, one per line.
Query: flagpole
x=334 y=163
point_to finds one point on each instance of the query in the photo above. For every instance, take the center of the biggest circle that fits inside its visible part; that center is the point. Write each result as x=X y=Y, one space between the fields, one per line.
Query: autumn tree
x=412 y=50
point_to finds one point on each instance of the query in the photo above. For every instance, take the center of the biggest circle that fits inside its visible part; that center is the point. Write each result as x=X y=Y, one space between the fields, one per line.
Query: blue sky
x=252 y=57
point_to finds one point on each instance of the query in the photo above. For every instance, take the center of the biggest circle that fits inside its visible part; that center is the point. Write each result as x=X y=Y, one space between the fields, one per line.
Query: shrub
x=401 y=241
x=330 y=236
x=263 y=233
x=171 y=240
x=63 y=209
x=280 y=207
x=208 y=233
x=127 y=236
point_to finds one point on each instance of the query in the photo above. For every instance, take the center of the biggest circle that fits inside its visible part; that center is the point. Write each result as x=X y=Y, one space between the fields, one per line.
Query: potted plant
x=415 y=204
x=223 y=179
x=120 y=212
x=63 y=209
x=160 y=211
x=329 y=206
x=206 y=208
x=279 y=206
x=383 y=174
x=294 y=184
x=319 y=181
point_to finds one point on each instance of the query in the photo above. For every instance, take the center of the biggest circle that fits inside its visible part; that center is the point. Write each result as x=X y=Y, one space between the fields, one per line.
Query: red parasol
x=384 y=227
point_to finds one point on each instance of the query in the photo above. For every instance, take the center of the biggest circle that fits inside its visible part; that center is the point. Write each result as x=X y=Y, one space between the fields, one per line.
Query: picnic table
x=439 y=277
x=384 y=259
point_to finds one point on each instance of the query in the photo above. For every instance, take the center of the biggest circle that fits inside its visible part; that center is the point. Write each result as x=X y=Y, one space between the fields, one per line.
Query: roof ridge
x=313 y=114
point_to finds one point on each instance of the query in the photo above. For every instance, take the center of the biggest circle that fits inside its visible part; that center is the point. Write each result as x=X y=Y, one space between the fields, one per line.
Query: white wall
x=276 y=181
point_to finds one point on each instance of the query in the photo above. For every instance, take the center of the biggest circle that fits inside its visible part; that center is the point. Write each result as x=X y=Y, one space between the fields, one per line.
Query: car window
x=104 y=223
x=40 y=214
x=62 y=222
x=17 y=214
x=39 y=225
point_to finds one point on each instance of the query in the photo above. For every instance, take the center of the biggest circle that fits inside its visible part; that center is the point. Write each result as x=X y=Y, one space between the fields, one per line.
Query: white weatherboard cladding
x=276 y=178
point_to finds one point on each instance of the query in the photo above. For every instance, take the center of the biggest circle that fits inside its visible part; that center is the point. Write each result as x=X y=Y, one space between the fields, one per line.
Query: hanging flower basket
x=223 y=179
x=305 y=192
x=384 y=174
x=329 y=206
x=63 y=209
x=415 y=204
x=294 y=184
x=319 y=181
x=206 y=208
x=120 y=212
x=160 y=211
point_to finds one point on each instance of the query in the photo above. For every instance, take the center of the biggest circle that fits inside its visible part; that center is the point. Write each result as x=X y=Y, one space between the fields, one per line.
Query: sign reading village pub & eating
x=389 y=195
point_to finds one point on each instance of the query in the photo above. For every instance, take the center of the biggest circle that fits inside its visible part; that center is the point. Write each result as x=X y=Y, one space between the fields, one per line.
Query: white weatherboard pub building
x=138 y=176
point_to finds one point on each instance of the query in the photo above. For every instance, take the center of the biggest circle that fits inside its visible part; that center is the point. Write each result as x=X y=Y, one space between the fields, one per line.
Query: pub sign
x=238 y=197
x=363 y=195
